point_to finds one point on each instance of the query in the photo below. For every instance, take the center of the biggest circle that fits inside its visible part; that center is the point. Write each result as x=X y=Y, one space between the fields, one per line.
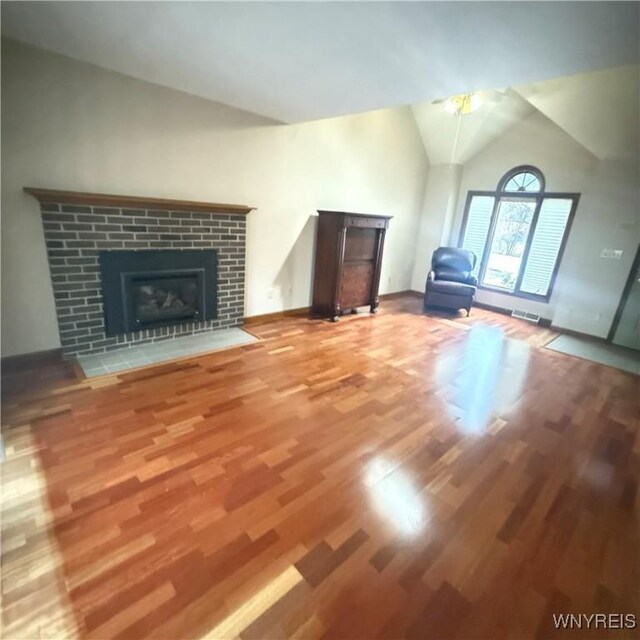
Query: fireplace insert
x=146 y=289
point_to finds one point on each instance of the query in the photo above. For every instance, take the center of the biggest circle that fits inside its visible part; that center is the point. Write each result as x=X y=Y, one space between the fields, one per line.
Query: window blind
x=545 y=246
x=477 y=227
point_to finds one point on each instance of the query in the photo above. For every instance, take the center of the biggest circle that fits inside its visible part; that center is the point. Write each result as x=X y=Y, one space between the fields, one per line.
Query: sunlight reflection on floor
x=482 y=376
x=394 y=497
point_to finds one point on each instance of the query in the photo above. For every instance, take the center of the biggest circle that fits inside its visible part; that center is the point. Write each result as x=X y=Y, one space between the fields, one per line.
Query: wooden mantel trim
x=132 y=202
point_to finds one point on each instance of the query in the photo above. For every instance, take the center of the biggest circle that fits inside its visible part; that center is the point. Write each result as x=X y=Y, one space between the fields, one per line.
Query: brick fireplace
x=83 y=232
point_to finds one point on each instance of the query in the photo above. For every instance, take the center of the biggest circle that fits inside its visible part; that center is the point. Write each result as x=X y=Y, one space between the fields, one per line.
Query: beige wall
x=438 y=210
x=70 y=125
x=609 y=218
x=588 y=288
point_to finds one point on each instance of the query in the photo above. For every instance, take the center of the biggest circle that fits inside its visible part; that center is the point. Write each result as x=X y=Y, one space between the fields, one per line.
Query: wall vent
x=525 y=315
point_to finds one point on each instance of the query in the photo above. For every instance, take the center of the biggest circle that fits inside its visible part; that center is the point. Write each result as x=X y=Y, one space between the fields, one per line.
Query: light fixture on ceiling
x=463 y=103
x=460 y=105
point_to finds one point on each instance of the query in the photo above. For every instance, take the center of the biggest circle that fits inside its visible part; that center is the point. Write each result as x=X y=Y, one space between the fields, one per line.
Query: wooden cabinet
x=348 y=260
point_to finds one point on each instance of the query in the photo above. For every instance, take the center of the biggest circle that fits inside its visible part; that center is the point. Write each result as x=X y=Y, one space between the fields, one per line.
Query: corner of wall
x=437 y=216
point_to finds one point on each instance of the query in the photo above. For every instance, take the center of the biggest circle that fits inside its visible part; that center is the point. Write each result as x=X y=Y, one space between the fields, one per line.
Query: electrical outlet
x=270 y=293
x=612 y=254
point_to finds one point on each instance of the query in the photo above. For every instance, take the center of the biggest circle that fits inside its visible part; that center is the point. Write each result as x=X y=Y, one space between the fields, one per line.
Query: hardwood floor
x=396 y=476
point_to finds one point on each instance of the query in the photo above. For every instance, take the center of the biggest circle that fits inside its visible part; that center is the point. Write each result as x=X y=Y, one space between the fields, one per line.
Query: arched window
x=522 y=179
x=518 y=233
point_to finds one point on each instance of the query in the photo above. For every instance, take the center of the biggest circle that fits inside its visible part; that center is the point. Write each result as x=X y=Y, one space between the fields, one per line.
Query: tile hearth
x=156 y=352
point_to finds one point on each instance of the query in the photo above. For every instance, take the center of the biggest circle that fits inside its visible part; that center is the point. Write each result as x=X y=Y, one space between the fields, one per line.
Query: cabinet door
x=360 y=245
x=357 y=281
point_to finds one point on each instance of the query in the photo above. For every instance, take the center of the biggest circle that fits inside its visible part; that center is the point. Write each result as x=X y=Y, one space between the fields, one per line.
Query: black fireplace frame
x=119 y=269
x=129 y=279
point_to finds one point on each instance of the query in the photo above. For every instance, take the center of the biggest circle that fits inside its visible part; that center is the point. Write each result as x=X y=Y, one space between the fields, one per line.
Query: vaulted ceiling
x=450 y=139
x=296 y=61
x=599 y=110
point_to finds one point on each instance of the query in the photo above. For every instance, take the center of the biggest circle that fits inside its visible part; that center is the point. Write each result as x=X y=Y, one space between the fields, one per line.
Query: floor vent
x=525 y=315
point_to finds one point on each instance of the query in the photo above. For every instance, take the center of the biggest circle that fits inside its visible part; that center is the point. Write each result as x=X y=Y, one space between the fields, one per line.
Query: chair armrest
x=472 y=280
x=430 y=278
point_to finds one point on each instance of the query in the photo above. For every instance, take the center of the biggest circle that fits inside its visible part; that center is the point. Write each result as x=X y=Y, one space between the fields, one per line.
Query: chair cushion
x=447 y=273
x=451 y=288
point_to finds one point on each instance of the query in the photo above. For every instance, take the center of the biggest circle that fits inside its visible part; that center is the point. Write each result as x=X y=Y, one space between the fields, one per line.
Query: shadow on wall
x=295 y=278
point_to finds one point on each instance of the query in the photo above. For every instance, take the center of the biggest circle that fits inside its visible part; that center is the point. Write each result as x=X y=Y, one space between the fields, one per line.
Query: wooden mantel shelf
x=132 y=202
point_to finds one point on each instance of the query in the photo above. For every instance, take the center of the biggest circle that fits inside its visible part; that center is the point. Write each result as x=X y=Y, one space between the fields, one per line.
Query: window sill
x=516 y=294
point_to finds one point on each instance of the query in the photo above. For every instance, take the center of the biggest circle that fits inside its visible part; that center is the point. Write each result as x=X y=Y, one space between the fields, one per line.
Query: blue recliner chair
x=450 y=283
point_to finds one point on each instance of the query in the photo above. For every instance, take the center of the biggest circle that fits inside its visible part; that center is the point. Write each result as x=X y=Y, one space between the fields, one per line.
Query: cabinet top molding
x=360 y=215
x=133 y=202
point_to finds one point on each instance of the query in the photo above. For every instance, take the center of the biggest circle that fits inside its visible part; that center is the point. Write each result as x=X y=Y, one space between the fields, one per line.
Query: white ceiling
x=449 y=138
x=296 y=61
x=599 y=110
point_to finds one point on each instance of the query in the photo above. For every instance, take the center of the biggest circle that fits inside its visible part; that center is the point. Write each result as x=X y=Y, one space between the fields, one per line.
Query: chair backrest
x=452 y=263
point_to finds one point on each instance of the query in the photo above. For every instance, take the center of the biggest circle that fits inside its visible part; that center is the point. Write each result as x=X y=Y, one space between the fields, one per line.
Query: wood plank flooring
x=389 y=476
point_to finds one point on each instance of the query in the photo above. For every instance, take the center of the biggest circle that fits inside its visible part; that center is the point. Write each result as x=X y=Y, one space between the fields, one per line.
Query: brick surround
x=76 y=234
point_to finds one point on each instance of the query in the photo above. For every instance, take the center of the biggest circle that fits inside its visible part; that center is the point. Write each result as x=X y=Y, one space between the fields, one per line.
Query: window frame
x=523 y=168
x=538 y=197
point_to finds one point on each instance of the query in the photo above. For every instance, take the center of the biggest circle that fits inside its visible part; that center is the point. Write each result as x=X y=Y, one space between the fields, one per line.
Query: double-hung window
x=518 y=233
